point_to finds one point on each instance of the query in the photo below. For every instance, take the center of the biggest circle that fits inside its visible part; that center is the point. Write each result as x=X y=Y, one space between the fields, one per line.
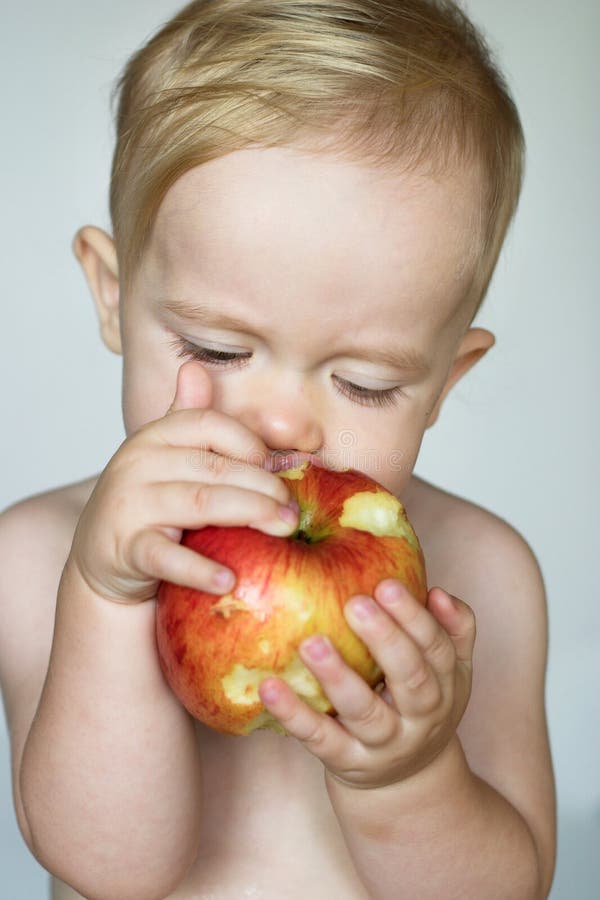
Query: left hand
x=379 y=739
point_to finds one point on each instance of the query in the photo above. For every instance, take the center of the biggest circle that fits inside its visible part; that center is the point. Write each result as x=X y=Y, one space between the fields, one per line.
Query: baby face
x=325 y=300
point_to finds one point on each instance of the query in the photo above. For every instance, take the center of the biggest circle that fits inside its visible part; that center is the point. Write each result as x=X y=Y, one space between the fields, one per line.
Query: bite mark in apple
x=379 y=513
x=241 y=684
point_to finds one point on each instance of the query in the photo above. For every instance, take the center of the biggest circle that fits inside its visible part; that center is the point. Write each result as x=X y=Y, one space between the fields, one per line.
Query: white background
x=519 y=435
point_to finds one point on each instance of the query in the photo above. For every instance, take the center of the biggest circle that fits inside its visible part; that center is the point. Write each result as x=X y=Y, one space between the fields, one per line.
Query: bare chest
x=270 y=830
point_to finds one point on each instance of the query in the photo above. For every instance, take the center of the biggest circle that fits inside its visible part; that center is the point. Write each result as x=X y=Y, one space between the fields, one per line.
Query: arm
x=485 y=809
x=110 y=777
x=440 y=790
x=89 y=784
x=443 y=833
x=106 y=767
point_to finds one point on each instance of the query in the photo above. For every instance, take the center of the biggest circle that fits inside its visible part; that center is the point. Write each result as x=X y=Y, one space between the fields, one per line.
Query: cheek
x=395 y=465
x=398 y=468
x=386 y=450
x=148 y=389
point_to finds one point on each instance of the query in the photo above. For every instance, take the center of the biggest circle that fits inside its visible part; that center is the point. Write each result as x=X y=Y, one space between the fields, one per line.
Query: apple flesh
x=215 y=651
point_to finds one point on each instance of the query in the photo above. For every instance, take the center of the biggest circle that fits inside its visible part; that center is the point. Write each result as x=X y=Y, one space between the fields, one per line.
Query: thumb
x=193 y=388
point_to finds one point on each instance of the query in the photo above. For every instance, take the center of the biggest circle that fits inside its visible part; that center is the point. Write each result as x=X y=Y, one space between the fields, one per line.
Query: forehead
x=300 y=229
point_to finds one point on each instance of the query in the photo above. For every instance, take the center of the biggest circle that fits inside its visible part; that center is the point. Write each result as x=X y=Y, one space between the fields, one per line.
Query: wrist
x=76 y=574
x=376 y=809
x=101 y=627
x=104 y=650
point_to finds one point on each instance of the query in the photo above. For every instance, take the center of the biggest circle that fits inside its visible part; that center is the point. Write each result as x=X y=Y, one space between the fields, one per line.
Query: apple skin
x=215 y=651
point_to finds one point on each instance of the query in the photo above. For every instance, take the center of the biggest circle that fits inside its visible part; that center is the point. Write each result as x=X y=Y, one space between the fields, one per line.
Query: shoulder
x=35 y=540
x=467 y=546
x=481 y=558
x=63 y=503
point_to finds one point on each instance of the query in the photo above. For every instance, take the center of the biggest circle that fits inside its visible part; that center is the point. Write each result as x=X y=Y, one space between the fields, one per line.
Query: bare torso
x=270 y=831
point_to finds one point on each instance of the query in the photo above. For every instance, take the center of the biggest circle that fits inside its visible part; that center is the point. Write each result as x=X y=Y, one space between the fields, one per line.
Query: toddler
x=308 y=201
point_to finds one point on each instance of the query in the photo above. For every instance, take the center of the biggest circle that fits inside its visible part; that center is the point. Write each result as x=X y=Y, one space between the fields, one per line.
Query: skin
x=324 y=264
x=375 y=260
x=282 y=241
x=445 y=790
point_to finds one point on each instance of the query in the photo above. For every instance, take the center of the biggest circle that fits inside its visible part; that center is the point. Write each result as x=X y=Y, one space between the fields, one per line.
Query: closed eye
x=361 y=395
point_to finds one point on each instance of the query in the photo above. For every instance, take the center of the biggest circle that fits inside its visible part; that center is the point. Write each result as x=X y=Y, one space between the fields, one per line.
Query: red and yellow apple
x=215 y=651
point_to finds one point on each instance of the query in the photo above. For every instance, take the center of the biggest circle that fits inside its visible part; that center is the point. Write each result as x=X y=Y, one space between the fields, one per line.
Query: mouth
x=279 y=462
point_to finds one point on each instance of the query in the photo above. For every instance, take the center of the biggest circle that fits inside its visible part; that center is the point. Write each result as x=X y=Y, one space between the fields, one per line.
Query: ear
x=475 y=344
x=97 y=255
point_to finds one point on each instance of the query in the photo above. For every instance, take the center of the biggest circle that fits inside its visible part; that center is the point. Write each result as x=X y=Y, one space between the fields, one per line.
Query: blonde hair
x=387 y=83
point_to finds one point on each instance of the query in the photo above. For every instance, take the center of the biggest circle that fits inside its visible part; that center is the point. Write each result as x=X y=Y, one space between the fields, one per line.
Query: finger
x=193 y=388
x=154 y=554
x=321 y=734
x=364 y=714
x=419 y=624
x=413 y=684
x=458 y=620
x=186 y=464
x=205 y=429
x=188 y=504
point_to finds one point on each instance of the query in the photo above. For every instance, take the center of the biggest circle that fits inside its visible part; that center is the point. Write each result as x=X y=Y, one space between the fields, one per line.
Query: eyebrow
x=406 y=358
x=204 y=315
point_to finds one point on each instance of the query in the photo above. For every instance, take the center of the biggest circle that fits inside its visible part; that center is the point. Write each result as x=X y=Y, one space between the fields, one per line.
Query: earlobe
x=474 y=345
x=96 y=253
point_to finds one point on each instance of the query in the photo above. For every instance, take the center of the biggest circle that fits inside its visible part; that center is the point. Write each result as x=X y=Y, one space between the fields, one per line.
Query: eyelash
x=354 y=392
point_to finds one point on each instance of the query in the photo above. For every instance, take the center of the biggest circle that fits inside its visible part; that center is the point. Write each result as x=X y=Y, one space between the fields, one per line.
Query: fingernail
x=269 y=691
x=392 y=592
x=317 y=648
x=224 y=580
x=363 y=608
x=289 y=513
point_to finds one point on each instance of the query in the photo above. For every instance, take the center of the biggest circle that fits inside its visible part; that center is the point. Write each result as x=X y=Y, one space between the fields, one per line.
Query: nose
x=280 y=411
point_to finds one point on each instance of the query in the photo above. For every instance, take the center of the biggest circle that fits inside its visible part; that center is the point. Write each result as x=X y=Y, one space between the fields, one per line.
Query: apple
x=215 y=651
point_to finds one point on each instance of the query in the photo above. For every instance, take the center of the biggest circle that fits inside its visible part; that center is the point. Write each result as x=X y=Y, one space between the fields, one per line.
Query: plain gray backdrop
x=519 y=435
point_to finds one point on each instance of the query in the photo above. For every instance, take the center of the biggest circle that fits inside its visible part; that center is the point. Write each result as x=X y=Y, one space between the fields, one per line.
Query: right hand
x=193 y=467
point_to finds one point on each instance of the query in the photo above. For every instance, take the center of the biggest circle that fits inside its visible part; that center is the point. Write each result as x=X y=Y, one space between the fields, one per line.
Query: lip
x=283 y=461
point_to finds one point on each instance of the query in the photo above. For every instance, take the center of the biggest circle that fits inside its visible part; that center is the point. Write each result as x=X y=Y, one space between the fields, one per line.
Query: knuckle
x=256 y=455
x=372 y=714
x=432 y=698
x=418 y=677
x=388 y=637
x=145 y=433
x=209 y=418
x=413 y=615
x=121 y=500
x=316 y=736
x=130 y=556
x=152 y=556
x=127 y=463
x=119 y=503
x=438 y=647
x=200 y=498
x=216 y=464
